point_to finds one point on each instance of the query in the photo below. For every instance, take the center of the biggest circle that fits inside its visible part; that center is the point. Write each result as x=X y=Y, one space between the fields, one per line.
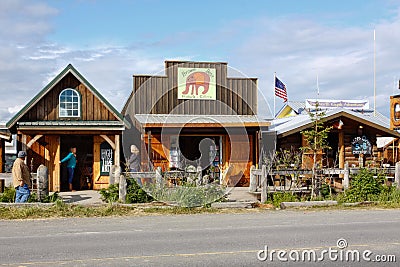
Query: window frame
x=72 y=103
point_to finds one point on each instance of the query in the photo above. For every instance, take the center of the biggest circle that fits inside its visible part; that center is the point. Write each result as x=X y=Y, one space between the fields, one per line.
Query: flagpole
x=374 y=74
x=274 y=95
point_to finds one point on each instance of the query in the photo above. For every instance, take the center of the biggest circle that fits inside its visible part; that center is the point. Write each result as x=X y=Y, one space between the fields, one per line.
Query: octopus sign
x=196 y=83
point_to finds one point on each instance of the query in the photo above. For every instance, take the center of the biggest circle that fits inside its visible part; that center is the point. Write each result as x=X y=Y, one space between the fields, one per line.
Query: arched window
x=70 y=103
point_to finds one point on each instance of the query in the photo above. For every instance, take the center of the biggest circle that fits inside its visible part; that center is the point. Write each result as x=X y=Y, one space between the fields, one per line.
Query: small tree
x=316 y=139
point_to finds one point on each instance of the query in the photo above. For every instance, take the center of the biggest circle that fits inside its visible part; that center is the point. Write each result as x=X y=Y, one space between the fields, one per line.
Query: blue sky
x=108 y=41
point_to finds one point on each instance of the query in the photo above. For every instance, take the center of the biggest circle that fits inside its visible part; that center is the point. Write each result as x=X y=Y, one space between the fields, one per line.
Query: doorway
x=83 y=175
x=204 y=151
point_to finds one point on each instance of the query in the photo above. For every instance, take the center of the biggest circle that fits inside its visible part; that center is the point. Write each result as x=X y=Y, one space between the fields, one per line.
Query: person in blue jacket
x=71 y=164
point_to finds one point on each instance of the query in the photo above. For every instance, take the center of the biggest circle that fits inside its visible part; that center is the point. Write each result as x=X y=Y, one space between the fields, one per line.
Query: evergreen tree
x=316 y=138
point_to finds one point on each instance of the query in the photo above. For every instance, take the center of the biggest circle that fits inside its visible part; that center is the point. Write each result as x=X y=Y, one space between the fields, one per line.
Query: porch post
x=341 y=151
x=149 y=150
x=23 y=146
x=117 y=151
x=346 y=178
x=397 y=175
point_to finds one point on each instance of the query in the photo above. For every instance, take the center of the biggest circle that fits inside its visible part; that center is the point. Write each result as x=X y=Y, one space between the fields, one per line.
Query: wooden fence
x=259 y=178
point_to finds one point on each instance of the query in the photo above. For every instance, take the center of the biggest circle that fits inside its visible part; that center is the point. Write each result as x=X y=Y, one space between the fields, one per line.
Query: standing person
x=134 y=162
x=21 y=178
x=71 y=164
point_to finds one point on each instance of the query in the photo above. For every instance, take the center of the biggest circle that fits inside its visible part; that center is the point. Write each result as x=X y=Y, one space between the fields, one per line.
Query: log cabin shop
x=166 y=125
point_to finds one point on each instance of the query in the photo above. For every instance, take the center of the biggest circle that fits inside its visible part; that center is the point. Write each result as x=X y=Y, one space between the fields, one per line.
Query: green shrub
x=364 y=187
x=110 y=194
x=135 y=194
x=279 y=197
x=8 y=195
x=325 y=190
x=47 y=199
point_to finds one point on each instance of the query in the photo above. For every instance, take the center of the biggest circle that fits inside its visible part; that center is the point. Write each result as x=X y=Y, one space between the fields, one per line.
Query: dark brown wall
x=47 y=108
x=158 y=95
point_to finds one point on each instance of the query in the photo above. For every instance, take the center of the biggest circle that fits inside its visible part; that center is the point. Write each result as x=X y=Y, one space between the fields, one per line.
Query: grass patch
x=62 y=210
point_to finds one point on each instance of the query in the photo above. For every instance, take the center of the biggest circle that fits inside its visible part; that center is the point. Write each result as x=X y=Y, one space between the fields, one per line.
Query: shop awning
x=175 y=120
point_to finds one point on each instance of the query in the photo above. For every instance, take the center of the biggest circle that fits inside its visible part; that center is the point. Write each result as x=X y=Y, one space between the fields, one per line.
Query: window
x=70 y=103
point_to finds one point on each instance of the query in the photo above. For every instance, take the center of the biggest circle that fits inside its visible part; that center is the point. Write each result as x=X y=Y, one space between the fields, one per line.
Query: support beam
x=23 y=146
x=346 y=178
x=341 y=151
x=149 y=150
x=117 y=151
x=112 y=144
x=37 y=137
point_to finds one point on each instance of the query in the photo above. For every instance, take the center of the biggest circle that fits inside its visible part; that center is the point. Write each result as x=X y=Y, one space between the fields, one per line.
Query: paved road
x=197 y=240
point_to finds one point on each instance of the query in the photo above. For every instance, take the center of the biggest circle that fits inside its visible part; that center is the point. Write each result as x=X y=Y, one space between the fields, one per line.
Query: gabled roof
x=290 y=125
x=48 y=87
x=297 y=106
x=4 y=133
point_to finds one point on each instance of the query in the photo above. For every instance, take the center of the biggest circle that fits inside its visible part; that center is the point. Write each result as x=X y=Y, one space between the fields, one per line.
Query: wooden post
x=346 y=177
x=149 y=150
x=117 y=151
x=397 y=175
x=23 y=146
x=159 y=178
x=115 y=172
x=199 y=175
x=253 y=180
x=42 y=182
x=341 y=151
x=122 y=188
x=263 y=183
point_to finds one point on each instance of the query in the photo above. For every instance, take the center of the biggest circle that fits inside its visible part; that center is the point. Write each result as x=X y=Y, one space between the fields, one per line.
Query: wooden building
x=69 y=112
x=353 y=138
x=195 y=115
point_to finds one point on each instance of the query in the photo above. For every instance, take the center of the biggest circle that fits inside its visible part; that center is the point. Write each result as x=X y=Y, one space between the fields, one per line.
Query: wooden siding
x=99 y=181
x=52 y=158
x=159 y=94
x=46 y=109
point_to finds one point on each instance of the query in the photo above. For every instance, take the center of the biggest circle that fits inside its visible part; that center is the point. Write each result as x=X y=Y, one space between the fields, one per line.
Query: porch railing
x=259 y=177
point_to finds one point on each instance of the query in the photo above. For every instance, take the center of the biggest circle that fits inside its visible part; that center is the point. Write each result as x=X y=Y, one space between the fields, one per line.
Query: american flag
x=280 y=89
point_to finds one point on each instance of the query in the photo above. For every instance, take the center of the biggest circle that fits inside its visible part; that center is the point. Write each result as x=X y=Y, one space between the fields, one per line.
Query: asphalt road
x=201 y=240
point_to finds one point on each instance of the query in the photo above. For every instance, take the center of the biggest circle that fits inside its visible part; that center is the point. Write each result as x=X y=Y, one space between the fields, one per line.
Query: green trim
x=11 y=123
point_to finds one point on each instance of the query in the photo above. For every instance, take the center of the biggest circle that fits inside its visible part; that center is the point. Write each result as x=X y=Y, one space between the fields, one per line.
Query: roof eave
x=69 y=69
x=344 y=114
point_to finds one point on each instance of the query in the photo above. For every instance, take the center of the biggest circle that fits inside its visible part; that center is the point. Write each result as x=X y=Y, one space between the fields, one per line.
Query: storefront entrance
x=204 y=151
x=83 y=177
